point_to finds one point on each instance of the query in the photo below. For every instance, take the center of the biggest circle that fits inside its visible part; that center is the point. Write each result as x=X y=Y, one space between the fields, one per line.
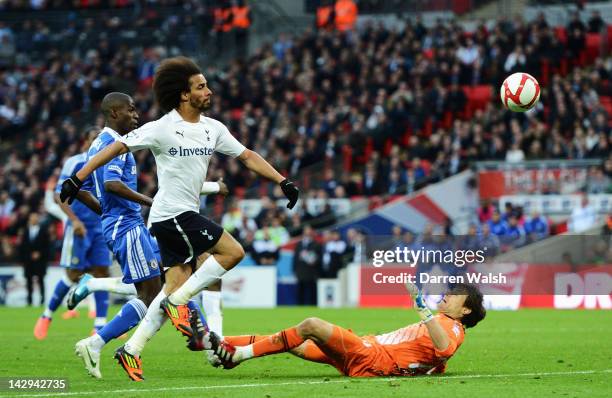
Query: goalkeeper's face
x=453 y=305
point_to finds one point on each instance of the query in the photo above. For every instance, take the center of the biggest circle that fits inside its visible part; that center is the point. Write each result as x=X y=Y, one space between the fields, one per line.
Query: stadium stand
x=314 y=104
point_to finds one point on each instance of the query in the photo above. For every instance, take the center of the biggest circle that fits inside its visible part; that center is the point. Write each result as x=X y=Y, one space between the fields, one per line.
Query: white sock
x=243 y=353
x=113 y=285
x=67 y=280
x=210 y=272
x=99 y=322
x=96 y=342
x=211 y=304
x=150 y=324
x=92 y=304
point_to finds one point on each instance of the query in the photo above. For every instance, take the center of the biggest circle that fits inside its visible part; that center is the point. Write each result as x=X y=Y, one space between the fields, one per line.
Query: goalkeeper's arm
x=438 y=336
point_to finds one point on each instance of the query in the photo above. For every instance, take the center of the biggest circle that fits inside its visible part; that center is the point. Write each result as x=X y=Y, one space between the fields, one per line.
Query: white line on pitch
x=305 y=383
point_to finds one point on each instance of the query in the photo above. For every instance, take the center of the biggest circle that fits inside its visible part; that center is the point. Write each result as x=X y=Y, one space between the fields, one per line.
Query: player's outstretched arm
x=438 y=336
x=90 y=201
x=71 y=186
x=253 y=161
x=120 y=189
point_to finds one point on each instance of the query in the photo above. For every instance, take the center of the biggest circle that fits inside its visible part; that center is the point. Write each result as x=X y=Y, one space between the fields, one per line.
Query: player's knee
x=238 y=254
x=147 y=296
x=100 y=272
x=309 y=327
x=73 y=275
x=148 y=290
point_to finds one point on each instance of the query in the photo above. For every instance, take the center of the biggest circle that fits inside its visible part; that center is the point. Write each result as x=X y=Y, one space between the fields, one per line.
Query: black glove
x=70 y=189
x=291 y=192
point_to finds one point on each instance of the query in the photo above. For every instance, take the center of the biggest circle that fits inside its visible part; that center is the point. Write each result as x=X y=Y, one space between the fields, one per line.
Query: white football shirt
x=182 y=151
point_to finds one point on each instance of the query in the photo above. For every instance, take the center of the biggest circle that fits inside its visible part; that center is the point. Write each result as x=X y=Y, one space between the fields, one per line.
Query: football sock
x=101 y=304
x=61 y=288
x=239 y=341
x=99 y=323
x=210 y=272
x=130 y=314
x=113 y=285
x=282 y=341
x=211 y=304
x=151 y=323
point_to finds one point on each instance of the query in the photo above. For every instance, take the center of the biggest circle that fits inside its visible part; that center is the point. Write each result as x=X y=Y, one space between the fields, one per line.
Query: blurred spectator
x=515 y=234
x=607 y=228
x=598 y=182
x=222 y=26
x=497 y=225
x=35 y=252
x=356 y=251
x=536 y=227
x=489 y=242
x=583 y=217
x=345 y=15
x=471 y=241
x=333 y=255
x=515 y=154
x=295 y=226
x=326 y=218
x=485 y=211
x=265 y=250
x=247 y=243
x=278 y=233
x=596 y=22
x=407 y=241
x=325 y=15
x=232 y=219
x=395 y=240
x=307 y=267
x=242 y=18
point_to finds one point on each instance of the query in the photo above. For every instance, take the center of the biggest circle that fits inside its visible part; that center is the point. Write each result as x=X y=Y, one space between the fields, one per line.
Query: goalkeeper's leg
x=335 y=344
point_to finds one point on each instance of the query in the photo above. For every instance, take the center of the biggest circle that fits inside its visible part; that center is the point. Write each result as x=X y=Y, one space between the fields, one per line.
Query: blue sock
x=101 y=304
x=130 y=314
x=59 y=293
x=193 y=306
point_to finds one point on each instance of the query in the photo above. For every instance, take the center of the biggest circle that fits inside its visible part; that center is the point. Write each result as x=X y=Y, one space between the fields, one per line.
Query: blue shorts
x=138 y=255
x=82 y=252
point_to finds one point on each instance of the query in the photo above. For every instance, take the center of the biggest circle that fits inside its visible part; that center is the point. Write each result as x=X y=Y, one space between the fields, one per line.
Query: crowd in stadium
x=378 y=112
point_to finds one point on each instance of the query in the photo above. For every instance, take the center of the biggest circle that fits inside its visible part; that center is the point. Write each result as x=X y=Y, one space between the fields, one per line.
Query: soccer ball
x=520 y=92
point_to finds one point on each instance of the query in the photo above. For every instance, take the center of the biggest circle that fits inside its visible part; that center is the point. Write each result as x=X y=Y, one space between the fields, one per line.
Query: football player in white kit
x=182 y=142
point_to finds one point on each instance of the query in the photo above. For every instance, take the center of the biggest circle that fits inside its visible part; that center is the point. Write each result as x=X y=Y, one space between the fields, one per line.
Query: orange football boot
x=42 y=327
x=131 y=364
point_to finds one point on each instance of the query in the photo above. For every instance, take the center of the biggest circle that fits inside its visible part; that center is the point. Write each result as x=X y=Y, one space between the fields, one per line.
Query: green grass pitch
x=527 y=353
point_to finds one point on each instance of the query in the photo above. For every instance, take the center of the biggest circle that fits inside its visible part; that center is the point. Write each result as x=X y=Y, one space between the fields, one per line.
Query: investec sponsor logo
x=198 y=151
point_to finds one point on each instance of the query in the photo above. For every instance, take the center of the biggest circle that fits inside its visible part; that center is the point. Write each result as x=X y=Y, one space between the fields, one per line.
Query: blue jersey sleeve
x=113 y=170
x=88 y=184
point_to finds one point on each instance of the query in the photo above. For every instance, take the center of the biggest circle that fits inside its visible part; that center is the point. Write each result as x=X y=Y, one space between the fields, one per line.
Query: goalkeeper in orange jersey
x=420 y=348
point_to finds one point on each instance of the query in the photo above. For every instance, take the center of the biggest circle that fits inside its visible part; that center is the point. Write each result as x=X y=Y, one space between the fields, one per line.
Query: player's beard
x=202 y=106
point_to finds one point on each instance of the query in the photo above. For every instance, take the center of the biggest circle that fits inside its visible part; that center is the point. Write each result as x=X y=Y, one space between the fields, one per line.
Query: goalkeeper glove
x=70 y=188
x=419 y=302
x=291 y=192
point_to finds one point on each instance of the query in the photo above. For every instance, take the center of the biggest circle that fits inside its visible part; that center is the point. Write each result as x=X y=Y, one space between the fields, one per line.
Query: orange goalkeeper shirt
x=411 y=351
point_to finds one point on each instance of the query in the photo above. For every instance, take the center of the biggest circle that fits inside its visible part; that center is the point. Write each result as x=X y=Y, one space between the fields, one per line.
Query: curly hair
x=172 y=79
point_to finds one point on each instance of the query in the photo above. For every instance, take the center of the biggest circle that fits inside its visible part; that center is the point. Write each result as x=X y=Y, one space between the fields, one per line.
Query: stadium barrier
x=244 y=287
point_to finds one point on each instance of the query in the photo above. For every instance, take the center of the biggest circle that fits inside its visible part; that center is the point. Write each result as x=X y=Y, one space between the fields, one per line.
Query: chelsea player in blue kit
x=124 y=231
x=83 y=248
